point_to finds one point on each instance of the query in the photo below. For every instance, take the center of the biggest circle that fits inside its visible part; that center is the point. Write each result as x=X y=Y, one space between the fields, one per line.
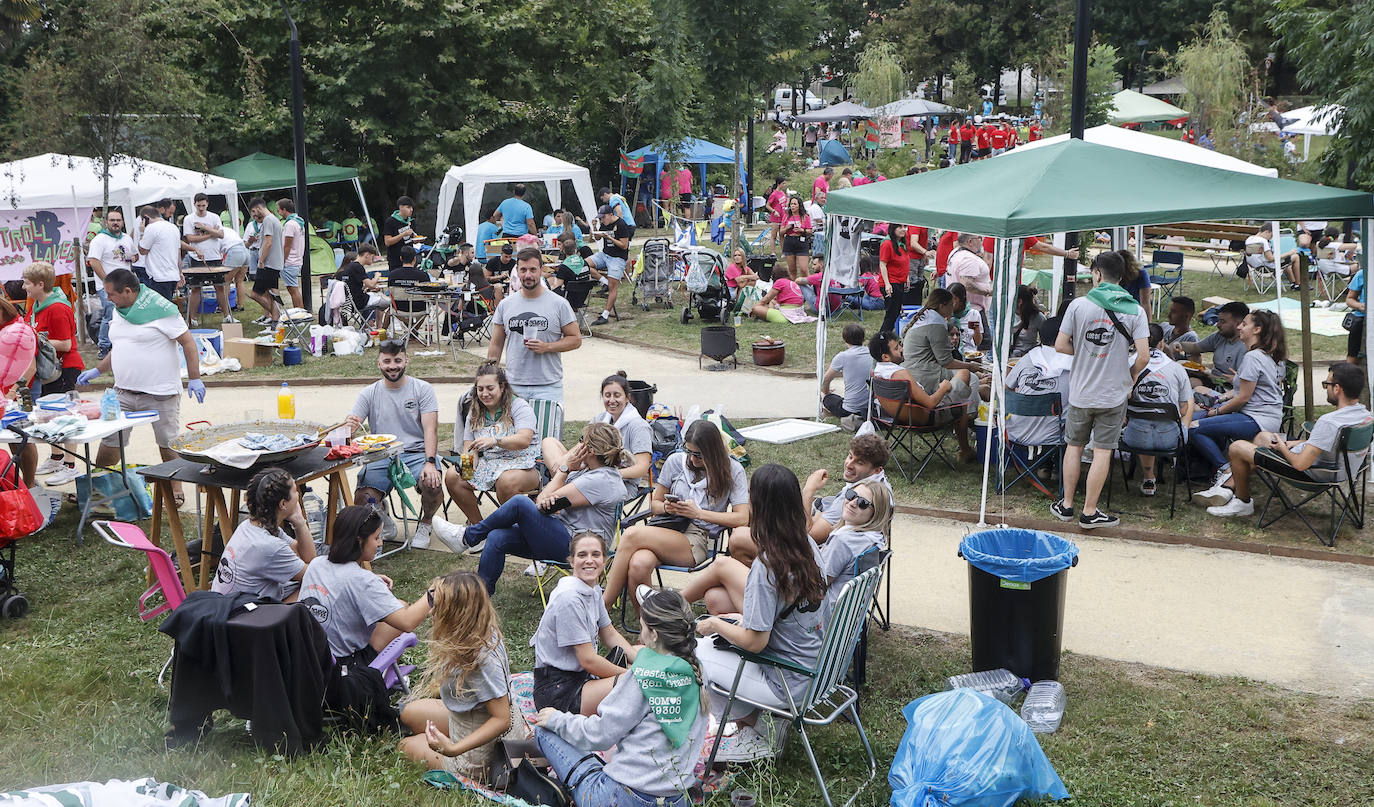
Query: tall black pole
x=1082 y=40
x=298 y=123
x=749 y=172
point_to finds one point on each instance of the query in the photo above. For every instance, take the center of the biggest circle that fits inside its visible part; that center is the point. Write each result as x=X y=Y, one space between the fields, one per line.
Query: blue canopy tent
x=692 y=150
x=833 y=152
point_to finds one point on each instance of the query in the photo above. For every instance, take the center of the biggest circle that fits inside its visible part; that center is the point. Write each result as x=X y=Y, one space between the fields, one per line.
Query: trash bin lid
x=1024 y=556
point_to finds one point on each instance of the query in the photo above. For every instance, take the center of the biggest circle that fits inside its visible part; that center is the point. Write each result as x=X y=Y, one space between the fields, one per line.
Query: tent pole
x=822 y=320
x=1278 y=268
x=367 y=217
x=79 y=271
x=1366 y=263
x=1305 y=298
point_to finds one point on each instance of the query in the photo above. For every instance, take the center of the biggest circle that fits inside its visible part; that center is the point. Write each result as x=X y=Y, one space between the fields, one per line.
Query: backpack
x=47 y=369
x=667 y=435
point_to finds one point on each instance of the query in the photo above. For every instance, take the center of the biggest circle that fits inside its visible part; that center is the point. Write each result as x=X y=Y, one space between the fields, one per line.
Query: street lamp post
x=298 y=124
x=1140 y=65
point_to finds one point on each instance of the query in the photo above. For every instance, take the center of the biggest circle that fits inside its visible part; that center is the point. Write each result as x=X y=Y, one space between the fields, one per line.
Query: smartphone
x=672 y=497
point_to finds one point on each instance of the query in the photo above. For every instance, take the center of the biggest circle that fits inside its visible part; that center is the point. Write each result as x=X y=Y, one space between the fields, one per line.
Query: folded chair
x=1344 y=487
x=1163 y=413
x=166 y=581
x=826 y=699
x=1043 y=405
x=1165 y=270
x=904 y=422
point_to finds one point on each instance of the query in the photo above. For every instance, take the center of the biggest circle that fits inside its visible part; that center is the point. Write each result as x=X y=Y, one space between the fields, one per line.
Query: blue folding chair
x=1021 y=461
x=1166 y=276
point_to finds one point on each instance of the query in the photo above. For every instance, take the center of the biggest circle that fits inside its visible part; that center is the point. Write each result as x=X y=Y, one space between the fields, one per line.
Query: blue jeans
x=516 y=528
x=590 y=784
x=1213 y=430
x=106 y=313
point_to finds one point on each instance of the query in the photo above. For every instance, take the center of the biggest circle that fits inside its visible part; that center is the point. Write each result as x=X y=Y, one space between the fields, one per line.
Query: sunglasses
x=430 y=595
x=859 y=501
x=696 y=455
x=1328 y=384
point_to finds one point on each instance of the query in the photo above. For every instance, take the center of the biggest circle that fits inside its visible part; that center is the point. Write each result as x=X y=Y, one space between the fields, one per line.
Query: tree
x=1329 y=42
x=1101 y=85
x=109 y=91
x=880 y=79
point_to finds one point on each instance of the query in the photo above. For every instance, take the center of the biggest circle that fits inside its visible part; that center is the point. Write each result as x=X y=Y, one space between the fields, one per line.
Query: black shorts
x=65 y=383
x=796 y=245
x=561 y=689
x=1354 y=343
x=266 y=280
x=684 y=198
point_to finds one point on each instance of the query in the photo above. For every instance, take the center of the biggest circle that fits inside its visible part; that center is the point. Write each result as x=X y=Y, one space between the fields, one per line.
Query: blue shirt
x=485 y=232
x=514 y=213
x=622 y=208
x=1357 y=284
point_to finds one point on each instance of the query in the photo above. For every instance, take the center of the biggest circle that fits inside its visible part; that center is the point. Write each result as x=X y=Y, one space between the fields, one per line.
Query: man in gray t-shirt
x=1098 y=331
x=1225 y=345
x=408 y=409
x=544 y=326
x=268 y=242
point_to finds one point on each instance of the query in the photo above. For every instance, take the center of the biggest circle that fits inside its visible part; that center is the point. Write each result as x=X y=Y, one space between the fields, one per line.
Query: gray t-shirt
x=605 y=491
x=796 y=637
x=272 y=257
x=1165 y=381
x=676 y=478
x=542 y=318
x=1325 y=433
x=1225 y=355
x=489 y=680
x=1027 y=378
x=636 y=435
x=349 y=601
x=837 y=559
x=521 y=416
x=398 y=411
x=574 y=616
x=1266 y=403
x=1100 y=376
x=257 y=562
x=1026 y=339
x=1189 y=335
x=832 y=509
x=854 y=364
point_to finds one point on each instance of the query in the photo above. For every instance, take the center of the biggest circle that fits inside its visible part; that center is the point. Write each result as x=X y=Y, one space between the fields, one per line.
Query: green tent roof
x=1129 y=106
x=265 y=172
x=1077 y=185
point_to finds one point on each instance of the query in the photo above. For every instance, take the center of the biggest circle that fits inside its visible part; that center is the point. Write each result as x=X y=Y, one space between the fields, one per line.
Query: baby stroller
x=705 y=284
x=19 y=517
x=655 y=274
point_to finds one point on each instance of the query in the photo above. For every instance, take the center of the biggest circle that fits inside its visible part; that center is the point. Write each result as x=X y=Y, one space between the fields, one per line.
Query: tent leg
x=367 y=217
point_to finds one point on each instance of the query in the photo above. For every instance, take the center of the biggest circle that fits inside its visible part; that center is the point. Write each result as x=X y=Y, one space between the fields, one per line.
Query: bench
x=1196 y=236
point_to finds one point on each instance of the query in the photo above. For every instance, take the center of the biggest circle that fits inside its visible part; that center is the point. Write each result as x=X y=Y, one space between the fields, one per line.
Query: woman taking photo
x=700 y=491
x=775 y=605
x=636 y=436
x=894 y=269
x=454 y=727
x=655 y=717
x=499 y=428
x=1256 y=406
x=584 y=495
x=259 y=559
x=796 y=235
x=568 y=673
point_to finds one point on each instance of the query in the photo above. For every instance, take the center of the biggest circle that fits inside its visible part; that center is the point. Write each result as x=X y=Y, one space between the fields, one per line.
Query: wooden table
x=219 y=509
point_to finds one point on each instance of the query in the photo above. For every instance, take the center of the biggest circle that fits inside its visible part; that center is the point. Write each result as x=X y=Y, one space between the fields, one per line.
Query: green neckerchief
x=298 y=219
x=396 y=214
x=55 y=296
x=106 y=231
x=671 y=688
x=493 y=417
x=1114 y=298
x=149 y=306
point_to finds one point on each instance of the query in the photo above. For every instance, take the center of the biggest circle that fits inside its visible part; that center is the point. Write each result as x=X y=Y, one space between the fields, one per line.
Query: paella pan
x=200 y=445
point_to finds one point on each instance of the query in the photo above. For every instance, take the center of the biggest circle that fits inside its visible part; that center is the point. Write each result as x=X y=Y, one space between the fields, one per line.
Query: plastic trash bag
x=1021 y=555
x=966 y=748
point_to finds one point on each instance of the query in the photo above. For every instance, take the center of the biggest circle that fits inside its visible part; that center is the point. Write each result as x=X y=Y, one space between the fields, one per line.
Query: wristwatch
x=432 y=461
x=563 y=469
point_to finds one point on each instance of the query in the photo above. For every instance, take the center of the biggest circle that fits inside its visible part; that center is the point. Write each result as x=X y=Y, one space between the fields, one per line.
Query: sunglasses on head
x=859 y=501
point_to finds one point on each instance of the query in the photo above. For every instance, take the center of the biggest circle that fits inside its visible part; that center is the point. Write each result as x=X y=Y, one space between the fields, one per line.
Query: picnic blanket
x=118 y=793
x=1325 y=321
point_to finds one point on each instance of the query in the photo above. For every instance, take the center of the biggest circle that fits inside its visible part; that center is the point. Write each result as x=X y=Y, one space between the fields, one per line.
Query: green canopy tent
x=1072 y=186
x=267 y=172
x=1129 y=106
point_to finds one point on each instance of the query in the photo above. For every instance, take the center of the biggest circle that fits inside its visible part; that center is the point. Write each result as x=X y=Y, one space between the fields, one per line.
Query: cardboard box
x=232 y=330
x=248 y=352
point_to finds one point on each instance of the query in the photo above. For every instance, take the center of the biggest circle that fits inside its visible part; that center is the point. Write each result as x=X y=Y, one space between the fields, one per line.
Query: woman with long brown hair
x=499 y=428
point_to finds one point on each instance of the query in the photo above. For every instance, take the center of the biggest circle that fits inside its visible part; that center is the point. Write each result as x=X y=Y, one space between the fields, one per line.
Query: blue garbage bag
x=1021 y=555
x=965 y=748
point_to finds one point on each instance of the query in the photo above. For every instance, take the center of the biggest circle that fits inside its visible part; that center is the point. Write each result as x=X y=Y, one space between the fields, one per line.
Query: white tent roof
x=64 y=181
x=511 y=163
x=1313 y=120
x=1168 y=148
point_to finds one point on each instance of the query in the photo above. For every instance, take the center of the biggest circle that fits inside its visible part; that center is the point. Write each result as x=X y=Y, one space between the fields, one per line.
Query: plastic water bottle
x=1004 y=685
x=286 y=403
x=109 y=405
x=313 y=507
x=1043 y=708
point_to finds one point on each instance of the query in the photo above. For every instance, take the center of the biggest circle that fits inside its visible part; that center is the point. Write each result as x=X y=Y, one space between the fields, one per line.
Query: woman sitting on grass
x=655 y=718
x=259 y=559
x=467 y=678
x=568 y=673
x=783 y=303
x=499 y=428
x=635 y=433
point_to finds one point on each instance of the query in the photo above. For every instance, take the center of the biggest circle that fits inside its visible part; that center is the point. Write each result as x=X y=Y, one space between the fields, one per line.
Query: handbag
x=514 y=771
x=669 y=522
x=48 y=369
x=1348 y=322
x=126 y=508
x=19 y=514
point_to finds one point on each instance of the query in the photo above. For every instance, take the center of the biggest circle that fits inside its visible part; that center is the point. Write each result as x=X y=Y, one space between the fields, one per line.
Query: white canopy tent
x=1313 y=120
x=1154 y=145
x=511 y=163
x=67 y=181
x=843 y=111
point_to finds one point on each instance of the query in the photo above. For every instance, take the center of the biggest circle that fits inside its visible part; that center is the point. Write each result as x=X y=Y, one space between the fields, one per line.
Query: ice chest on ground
x=1017 y=584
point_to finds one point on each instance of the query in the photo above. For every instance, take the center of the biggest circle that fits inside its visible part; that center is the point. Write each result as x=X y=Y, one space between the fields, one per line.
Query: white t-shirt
x=817 y=214
x=230 y=240
x=163 y=242
x=1259 y=260
x=112 y=253
x=292 y=229
x=144 y=357
x=210 y=247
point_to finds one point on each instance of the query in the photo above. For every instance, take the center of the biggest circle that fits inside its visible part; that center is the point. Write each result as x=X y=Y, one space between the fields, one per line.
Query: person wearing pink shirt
x=822 y=183
x=776 y=201
x=684 y=190
x=795 y=228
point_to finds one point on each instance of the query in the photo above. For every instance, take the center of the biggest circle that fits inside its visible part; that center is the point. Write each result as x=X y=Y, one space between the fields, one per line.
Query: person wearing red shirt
x=942 y=249
x=953 y=140
x=983 y=142
x=1033 y=244
x=997 y=138
x=1034 y=132
x=894 y=268
x=51 y=314
x=967 y=131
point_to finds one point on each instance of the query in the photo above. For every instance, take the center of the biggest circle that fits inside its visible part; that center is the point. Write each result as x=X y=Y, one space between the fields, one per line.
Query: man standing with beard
x=544 y=325
x=408 y=408
x=110 y=249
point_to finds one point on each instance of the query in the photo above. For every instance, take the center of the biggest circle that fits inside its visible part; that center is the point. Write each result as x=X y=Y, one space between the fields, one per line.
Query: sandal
x=179 y=499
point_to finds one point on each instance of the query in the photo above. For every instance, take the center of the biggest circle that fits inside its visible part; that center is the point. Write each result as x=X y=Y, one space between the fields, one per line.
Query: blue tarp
x=1024 y=556
x=833 y=152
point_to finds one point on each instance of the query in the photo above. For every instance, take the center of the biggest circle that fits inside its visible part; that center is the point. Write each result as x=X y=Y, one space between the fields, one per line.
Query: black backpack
x=667 y=435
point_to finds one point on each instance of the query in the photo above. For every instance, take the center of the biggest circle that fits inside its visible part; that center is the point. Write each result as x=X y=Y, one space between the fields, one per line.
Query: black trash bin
x=1017 y=581
x=642 y=396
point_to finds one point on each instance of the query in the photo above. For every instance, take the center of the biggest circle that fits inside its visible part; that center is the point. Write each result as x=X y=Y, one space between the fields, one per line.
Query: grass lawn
x=79 y=674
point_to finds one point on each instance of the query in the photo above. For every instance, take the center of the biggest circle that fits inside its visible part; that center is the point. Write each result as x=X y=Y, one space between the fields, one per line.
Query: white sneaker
x=62 y=477
x=746 y=746
x=1223 y=476
x=420 y=540
x=49 y=466
x=535 y=569
x=1234 y=507
x=1215 y=495
x=450 y=534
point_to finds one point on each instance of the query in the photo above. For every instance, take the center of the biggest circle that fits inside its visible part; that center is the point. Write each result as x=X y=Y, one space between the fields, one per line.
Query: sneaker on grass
x=69 y=473
x=747 y=745
x=1214 y=496
x=420 y=540
x=1235 y=507
x=1061 y=512
x=451 y=534
x=1098 y=519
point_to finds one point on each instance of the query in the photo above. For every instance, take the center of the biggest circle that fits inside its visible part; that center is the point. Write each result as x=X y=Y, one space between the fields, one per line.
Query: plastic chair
x=902 y=422
x=1347 y=495
x=1160 y=413
x=1166 y=276
x=388 y=663
x=166 y=581
x=826 y=699
x=1043 y=405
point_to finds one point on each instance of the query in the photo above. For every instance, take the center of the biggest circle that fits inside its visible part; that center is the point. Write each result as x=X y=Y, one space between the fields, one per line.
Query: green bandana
x=1114 y=298
x=670 y=687
x=55 y=296
x=297 y=219
x=149 y=306
x=396 y=214
x=106 y=231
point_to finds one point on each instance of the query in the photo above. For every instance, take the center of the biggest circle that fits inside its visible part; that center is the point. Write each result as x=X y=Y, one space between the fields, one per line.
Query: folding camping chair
x=1043 y=405
x=1165 y=413
x=903 y=422
x=873 y=558
x=549 y=417
x=547 y=578
x=826 y=699
x=166 y=581
x=1169 y=280
x=1332 y=275
x=1262 y=275
x=413 y=313
x=1345 y=487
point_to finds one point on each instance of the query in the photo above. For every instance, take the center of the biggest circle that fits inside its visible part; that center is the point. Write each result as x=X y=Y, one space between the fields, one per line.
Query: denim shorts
x=291 y=276
x=612 y=266
x=236 y=256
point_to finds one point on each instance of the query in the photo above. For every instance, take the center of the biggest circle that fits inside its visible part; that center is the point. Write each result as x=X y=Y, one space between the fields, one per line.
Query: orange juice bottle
x=286 y=403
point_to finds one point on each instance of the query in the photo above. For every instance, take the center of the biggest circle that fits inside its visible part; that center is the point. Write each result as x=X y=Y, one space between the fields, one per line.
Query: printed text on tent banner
x=27 y=236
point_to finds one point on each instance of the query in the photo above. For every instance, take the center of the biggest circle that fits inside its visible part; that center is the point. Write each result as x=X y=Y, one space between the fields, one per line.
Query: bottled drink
x=286 y=403
x=1043 y=708
x=1004 y=685
x=109 y=405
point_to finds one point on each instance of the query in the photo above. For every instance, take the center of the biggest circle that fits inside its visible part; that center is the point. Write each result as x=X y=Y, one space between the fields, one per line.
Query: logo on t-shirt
x=317 y=609
x=1037 y=383
x=225 y=573
x=1100 y=335
x=528 y=323
x=1152 y=390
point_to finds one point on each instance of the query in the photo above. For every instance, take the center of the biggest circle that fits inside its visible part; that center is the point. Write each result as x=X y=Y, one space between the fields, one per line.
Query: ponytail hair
x=603 y=441
x=665 y=610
